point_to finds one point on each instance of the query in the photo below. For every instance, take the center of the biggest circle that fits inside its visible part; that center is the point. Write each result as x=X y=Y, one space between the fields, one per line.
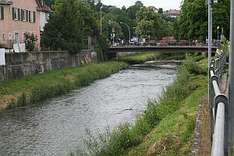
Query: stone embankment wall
x=19 y=65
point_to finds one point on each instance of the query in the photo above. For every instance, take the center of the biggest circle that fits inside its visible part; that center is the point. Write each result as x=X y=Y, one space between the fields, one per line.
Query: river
x=58 y=126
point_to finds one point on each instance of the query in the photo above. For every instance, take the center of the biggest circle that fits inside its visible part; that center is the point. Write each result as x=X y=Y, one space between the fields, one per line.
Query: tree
x=69 y=26
x=49 y=2
x=132 y=10
x=221 y=17
x=151 y=24
x=192 y=24
x=160 y=10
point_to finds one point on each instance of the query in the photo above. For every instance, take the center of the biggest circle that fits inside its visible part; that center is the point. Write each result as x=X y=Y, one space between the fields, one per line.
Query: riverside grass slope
x=149 y=56
x=39 y=87
x=166 y=127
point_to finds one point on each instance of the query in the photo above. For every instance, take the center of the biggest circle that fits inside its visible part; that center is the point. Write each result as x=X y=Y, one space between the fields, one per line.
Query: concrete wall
x=19 y=65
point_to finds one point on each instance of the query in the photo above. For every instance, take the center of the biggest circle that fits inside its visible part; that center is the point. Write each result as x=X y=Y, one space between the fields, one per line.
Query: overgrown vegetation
x=30 y=41
x=39 y=87
x=167 y=125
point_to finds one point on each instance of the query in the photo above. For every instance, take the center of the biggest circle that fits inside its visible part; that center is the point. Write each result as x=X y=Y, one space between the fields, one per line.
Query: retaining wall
x=19 y=65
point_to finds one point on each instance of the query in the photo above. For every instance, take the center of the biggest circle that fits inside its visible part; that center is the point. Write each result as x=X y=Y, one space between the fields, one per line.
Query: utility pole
x=209 y=58
x=231 y=86
x=209 y=32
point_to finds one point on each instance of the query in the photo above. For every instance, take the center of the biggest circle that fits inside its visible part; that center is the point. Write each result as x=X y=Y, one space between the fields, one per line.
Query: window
x=23 y=15
x=1 y=13
x=17 y=37
x=3 y=37
x=29 y=16
x=14 y=13
x=18 y=13
x=34 y=17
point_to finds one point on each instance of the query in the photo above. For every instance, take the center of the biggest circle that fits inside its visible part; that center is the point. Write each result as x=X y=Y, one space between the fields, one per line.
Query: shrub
x=30 y=41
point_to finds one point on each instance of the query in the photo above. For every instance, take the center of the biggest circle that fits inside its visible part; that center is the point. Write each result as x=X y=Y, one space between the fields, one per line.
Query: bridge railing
x=218 y=107
x=161 y=45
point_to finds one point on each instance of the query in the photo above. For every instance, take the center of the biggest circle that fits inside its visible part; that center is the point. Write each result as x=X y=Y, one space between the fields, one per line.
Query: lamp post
x=129 y=31
x=100 y=13
x=209 y=57
x=209 y=32
x=231 y=86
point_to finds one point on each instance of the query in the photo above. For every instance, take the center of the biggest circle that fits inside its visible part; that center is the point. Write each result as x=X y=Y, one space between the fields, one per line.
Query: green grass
x=139 y=57
x=148 y=56
x=167 y=125
x=36 y=88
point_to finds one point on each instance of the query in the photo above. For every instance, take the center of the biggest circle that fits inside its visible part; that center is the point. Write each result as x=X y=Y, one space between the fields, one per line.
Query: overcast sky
x=165 y=4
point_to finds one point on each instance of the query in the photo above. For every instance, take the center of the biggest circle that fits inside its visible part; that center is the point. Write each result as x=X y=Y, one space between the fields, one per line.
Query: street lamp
x=231 y=85
x=100 y=13
x=209 y=32
x=129 y=31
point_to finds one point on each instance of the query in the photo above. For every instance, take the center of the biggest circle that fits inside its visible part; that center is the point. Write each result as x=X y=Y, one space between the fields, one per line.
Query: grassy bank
x=36 y=88
x=148 y=56
x=166 y=127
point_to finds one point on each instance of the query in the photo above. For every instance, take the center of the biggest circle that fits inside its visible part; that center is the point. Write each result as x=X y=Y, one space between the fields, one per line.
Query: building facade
x=173 y=13
x=18 y=17
x=44 y=14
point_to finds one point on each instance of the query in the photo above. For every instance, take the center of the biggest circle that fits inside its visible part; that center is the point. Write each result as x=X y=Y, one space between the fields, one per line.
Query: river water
x=58 y=126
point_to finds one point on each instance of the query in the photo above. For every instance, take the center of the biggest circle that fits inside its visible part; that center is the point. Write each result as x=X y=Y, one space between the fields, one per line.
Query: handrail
x=217 y=105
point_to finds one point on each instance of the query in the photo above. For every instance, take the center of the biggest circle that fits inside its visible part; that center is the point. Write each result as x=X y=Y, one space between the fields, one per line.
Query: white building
x=44 y=14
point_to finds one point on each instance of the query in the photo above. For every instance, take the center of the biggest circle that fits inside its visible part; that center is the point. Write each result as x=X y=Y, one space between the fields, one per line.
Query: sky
x=165 y=4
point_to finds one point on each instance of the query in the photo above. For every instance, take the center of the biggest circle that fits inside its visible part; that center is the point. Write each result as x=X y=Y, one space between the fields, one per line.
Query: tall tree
x=69 y=26
x=150 y=24
x=192 y=24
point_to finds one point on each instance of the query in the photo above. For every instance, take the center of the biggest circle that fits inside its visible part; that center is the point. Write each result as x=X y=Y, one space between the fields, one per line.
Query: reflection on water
x=58 y=126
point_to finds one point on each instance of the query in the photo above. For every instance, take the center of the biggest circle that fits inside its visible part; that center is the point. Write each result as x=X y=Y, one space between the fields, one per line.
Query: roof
x=6 y=2
x=42 y=7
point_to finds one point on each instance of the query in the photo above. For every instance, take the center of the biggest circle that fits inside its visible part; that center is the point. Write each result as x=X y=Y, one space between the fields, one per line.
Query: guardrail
x=218 y=107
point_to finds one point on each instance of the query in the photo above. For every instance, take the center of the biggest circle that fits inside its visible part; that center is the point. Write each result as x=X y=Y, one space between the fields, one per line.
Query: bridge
x=164 y=49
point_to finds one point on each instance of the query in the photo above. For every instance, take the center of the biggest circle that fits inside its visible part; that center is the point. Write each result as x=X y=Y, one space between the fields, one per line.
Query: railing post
x=211 y=97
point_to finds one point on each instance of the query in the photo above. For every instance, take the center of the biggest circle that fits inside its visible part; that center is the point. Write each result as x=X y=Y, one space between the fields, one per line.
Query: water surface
x=58 y=126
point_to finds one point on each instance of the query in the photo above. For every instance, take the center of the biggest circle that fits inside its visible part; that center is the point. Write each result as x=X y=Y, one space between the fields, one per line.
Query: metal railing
x=218 y=107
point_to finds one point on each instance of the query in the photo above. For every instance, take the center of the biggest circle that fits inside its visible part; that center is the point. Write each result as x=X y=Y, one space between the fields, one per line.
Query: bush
x=30 y=41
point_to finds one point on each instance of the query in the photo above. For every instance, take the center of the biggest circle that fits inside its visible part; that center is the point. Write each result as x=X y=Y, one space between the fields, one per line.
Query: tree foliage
x=151 y=24
x=69 y=26
x=193 y=24
x=30 y=41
